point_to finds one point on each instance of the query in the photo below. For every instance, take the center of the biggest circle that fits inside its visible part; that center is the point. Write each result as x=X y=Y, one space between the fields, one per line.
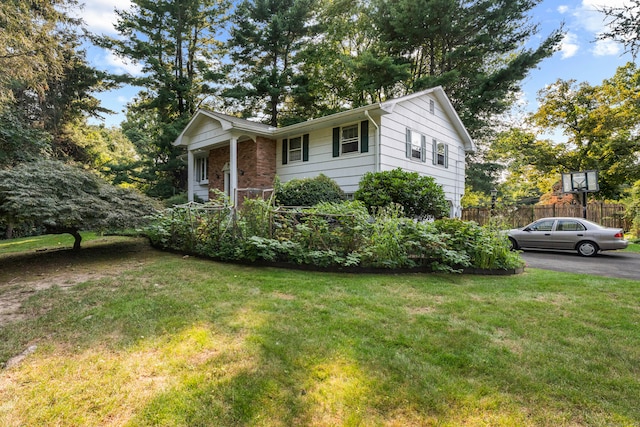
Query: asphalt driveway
x=624 y=265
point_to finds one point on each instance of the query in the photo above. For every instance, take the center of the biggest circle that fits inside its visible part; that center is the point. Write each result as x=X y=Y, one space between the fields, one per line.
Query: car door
x=567 y=233
x=538 y=234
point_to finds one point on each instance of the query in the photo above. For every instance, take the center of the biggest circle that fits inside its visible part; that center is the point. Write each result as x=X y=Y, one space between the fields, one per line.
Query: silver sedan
x=586 y=237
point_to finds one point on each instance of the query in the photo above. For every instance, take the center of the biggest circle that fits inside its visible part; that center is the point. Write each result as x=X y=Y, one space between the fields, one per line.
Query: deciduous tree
x=66 y=199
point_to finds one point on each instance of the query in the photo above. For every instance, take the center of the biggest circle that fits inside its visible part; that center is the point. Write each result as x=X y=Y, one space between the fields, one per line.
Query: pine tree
x=266 y=38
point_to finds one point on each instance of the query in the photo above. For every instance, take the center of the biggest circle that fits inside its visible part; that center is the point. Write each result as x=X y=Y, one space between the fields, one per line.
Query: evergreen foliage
x=66 y=199
x=420 y=196
x=176 y=44
x=308 y=191
x=266 y=37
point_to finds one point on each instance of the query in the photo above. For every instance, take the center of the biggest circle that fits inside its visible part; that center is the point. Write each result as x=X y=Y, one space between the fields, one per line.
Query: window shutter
x=434 y=144
x=364 y=136
x=285 y=151
x=336 y=142
x=423 y=149
x=446 y=156
x=305 y=147
x=408 y=145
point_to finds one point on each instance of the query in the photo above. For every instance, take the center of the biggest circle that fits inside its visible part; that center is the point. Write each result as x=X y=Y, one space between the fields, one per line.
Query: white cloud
x=590 y=14
x=563 y=9
x=119 y=65
x=100 y=16
x=606 y=48
x=569 y=45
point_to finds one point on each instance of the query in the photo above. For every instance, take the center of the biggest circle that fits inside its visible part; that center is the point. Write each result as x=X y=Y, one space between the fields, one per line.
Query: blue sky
x=581 y=57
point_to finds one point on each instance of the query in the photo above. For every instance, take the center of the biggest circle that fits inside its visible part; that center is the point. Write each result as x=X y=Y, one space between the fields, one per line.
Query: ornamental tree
x=63 y=198
x=420 y=196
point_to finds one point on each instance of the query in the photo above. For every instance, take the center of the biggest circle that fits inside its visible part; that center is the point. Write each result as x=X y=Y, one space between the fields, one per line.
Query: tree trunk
x=73 y=231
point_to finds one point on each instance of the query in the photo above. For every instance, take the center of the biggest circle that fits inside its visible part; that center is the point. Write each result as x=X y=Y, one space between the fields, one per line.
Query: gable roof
x=229 y=122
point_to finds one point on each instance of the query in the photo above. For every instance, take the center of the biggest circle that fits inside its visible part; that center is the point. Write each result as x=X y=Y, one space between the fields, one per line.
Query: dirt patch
x=25 y=273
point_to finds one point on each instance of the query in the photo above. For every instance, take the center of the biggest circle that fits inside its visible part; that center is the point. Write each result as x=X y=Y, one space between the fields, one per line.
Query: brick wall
x=256 y=164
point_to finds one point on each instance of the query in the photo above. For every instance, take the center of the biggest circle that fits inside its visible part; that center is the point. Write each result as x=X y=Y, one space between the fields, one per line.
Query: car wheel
x=587 y=248
x=514 y=244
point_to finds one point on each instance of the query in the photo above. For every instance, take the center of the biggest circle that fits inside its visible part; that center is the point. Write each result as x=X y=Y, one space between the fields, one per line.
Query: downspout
x=376 y=142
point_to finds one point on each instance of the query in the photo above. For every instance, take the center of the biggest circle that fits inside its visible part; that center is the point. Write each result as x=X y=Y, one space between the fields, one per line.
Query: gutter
x=376 y=148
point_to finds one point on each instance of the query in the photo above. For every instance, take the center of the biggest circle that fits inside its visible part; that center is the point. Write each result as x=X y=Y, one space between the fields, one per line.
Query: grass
x=633 y=247
x=49 y=242
x=172 y=341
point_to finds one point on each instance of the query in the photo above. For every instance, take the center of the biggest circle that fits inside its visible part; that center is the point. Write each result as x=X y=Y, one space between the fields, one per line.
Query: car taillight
x=619 y=236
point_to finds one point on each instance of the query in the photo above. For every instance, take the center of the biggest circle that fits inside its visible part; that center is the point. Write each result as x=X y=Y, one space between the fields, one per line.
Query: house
x=420 y=132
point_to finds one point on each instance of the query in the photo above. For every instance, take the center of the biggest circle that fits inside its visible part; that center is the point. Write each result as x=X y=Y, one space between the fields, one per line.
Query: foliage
x=633 y=209
x=30 y=44
x=600 y=124
x=420 y=196
x=176 y=45
x=19 y=141
x=308 y=191
x=265 y=39
x=329 y=235
x=65 y=199
x=46 y=83
x=623 y=25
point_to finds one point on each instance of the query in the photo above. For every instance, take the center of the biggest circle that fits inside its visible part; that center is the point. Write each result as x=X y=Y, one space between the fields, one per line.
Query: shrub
x=632 y=203
x=420 y=196
x=308 y=191
x=330 y=234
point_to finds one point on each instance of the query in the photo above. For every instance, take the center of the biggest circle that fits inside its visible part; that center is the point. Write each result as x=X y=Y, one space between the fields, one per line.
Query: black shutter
x=285 y=151
x=364 y=136
x=336 y=142
x=305 y=147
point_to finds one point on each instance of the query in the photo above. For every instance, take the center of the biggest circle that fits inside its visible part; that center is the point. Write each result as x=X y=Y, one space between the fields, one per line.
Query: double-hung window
x=295 y=149
x=349 y=139
x=440 y=153
x=416 y=145
x=201 y=169
x=352 y=138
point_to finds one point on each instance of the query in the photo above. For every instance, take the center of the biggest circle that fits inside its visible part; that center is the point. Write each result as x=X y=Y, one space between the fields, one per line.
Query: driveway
x=625 y=265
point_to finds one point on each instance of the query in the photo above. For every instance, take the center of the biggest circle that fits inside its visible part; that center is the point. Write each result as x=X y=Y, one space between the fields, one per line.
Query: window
x=440 y=154
x=416 y=144
x=432 y=106
x=545 y=225
x=295 y=149
x=201 y=169
x=569 y=225
x=349 y=139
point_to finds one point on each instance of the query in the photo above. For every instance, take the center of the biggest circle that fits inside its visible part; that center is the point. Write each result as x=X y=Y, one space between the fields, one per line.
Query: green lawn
x=155 y=338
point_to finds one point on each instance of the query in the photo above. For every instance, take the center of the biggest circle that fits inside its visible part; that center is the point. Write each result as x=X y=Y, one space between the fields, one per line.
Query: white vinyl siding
x=345 y=170
x=415 y=114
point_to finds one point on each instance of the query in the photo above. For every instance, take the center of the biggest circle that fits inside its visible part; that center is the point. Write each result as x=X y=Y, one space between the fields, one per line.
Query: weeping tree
x=62 y=198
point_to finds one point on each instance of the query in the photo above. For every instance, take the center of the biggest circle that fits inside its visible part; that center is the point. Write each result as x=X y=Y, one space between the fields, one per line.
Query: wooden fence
x=607 y=214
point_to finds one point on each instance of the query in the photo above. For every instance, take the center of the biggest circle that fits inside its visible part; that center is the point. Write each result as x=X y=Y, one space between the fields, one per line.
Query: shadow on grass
x=191 y=342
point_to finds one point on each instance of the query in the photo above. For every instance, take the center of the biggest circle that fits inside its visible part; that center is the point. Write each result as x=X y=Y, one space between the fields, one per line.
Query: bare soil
x=25 y=273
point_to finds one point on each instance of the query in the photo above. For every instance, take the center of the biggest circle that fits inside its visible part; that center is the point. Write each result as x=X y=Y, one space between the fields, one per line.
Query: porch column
x=233 y=170
x=190 y=175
